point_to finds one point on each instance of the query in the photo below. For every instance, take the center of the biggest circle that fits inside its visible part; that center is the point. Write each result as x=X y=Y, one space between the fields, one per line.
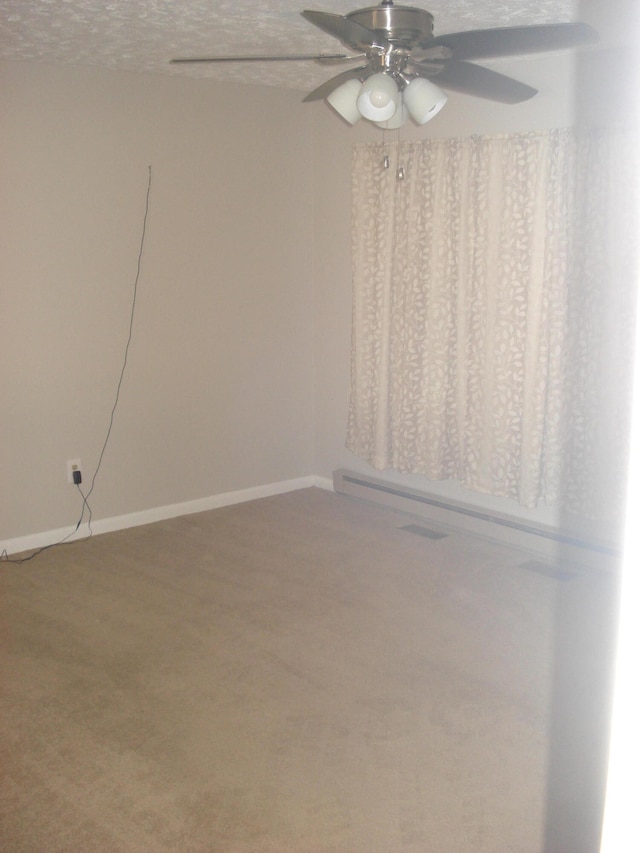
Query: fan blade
x=475 y=80
x=322 y=57
x=511 y=41
x=327 y=87
x=349 y=32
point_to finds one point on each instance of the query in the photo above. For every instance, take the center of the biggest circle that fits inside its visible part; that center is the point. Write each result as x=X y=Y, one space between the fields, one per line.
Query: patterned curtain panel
x=493 y=315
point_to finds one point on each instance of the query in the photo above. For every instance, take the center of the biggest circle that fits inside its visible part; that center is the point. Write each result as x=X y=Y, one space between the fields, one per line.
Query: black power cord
x=77 y=477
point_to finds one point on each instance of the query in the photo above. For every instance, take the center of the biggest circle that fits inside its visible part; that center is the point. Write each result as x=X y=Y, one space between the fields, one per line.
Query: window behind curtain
x=494 y=293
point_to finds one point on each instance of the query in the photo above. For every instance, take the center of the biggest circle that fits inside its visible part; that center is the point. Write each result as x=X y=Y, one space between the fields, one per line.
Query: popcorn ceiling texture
x=143 y=35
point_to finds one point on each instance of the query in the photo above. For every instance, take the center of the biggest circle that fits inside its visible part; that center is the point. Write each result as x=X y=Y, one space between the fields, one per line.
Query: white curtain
x=493 y=312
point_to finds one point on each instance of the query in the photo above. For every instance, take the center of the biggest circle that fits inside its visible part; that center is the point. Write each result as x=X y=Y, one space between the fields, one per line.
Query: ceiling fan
x=403 y=65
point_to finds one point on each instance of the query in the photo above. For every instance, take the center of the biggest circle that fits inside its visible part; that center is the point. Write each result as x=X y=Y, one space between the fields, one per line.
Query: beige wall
x=217 y=396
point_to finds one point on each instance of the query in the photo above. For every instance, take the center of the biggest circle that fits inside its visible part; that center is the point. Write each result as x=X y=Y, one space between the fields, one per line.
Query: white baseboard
x=160 y=513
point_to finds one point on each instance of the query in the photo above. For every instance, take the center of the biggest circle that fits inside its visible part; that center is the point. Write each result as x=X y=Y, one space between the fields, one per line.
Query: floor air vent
x=423 y=531
x=545 y=569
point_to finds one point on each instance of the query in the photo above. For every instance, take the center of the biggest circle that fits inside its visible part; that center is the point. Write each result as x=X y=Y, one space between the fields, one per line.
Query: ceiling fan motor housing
x=405 y=27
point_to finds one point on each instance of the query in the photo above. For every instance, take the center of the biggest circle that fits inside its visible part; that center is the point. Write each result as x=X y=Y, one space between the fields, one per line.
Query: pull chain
x=386 y=159
x=400 y=169
x=386 y=162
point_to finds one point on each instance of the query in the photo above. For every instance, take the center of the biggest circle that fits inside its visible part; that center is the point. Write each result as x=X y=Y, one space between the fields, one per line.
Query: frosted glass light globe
x=397 y=119
x=378 y=97
x=424 y=100
x=344 y=101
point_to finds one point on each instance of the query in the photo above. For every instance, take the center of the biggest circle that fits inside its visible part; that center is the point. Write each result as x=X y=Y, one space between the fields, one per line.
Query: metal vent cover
x=548 y=570
x=424 y=531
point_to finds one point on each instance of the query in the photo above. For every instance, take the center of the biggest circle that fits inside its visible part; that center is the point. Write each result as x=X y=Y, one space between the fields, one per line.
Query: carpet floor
x=300 y=673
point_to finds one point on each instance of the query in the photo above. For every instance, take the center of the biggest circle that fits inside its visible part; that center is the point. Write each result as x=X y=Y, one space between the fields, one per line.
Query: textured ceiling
x=143 y=35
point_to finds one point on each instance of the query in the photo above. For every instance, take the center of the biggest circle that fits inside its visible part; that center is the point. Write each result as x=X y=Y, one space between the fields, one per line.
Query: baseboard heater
x=548 y=542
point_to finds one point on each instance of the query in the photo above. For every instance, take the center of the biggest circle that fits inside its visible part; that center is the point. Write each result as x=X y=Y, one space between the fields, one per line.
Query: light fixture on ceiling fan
x=407 y=67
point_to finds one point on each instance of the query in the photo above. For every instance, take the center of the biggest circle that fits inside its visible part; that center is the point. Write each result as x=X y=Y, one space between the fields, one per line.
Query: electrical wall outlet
x=73 y=465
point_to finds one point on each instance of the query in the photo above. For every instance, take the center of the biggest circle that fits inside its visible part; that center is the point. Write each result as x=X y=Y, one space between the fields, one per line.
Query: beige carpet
x=297 y=673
